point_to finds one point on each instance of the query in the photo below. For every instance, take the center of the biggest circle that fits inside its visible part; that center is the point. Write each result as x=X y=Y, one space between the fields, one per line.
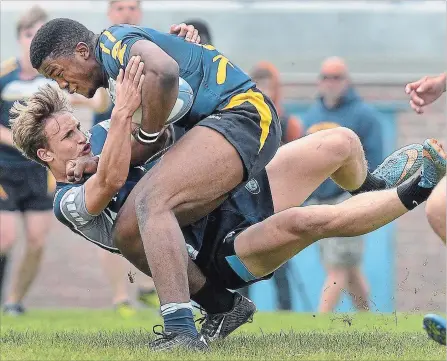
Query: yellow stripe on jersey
x=8 y=66
x=104 y=48
x=109 y=36
x=222 y=68
x=257 y=100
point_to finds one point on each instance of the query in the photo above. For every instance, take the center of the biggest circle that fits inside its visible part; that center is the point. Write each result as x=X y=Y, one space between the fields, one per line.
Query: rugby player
x=422 y=93
x=255 y=230
x=233 y=131
x=25 y=188
x=126 y=12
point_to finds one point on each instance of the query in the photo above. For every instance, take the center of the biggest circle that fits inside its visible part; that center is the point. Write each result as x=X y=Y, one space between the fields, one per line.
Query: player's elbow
x=166 y=73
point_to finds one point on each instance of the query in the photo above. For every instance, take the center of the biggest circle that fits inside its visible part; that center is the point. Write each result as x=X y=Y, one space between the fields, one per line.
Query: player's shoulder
x=62 y=192
x=69 y=205
x=8 y=67
x=116 y=33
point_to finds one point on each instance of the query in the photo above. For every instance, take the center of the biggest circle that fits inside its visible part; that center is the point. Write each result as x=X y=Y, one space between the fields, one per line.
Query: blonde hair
x=33 y=16
x=28 y=119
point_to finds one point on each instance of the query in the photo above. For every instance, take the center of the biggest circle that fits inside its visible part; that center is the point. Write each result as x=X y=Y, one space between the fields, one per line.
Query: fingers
x=79 y=171
x=195 y=36
x=129 y=66
x=418 y=109
x=140 y=84
x=416 y=99
x=198 y=39
x=183 y=30
x=138 y=74
x=174 y=29
x=70 y=170
x=132 y=68
x=119 y=78
x=415 y=85
x=425 y=86
x=189 y=33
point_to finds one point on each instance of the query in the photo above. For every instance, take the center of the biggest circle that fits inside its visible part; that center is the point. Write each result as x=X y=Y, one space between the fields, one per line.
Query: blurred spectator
x=116 y=267
x=25 y=187
x=266 y=77
x=338 y=104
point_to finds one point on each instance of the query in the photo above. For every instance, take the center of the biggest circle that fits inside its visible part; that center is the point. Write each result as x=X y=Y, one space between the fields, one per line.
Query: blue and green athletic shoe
x=435 y=327
x=434 y=163
x=400 y=165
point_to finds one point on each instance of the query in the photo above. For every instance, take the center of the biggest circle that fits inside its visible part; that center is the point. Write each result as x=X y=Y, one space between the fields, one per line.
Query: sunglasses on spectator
x=331 y=77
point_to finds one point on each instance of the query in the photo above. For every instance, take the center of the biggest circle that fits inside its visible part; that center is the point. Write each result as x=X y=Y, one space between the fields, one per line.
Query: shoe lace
x=161 y=333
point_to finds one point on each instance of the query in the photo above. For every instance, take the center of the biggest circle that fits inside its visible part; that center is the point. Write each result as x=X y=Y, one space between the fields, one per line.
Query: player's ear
x=45 y=155
x=83 y=50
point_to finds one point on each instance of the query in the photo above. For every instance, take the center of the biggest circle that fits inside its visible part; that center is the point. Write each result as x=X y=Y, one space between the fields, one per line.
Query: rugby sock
x=178 y=318
x=3 y=260
x=214 y=299
x=371 y=183
x=411 y=194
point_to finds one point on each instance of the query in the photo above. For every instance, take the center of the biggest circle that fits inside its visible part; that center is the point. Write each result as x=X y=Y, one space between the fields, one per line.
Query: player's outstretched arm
x=160 y=87
x=113 y=166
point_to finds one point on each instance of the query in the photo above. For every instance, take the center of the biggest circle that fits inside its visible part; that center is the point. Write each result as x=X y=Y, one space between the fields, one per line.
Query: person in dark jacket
x=338 y=104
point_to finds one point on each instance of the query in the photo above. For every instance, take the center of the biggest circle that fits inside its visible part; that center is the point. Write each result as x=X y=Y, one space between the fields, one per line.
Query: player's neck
x=27 y=71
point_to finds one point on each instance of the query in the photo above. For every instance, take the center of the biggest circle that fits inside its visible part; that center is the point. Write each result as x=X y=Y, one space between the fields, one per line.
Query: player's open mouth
x=86 y=150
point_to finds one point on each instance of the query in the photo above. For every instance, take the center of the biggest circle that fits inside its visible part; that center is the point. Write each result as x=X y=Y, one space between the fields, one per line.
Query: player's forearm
x=113 y=166
x=6 y=136
x=160 y=92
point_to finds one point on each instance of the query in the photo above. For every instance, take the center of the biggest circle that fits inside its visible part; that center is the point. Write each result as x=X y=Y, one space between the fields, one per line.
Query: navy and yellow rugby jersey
x=212 y=77
x=13 y=88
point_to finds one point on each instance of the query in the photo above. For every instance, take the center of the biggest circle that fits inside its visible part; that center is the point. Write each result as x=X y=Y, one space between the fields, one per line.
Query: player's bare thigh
x=436 y=209
x=193 y=177
x=299 y=167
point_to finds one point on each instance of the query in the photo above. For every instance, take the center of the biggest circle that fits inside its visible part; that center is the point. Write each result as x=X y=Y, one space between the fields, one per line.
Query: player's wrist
x=122 y=112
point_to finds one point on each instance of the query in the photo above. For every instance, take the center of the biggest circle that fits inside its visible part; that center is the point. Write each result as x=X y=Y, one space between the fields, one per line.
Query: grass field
x=103 y=335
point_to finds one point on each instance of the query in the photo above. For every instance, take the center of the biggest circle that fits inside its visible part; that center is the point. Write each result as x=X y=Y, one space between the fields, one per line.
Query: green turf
x=103 y=335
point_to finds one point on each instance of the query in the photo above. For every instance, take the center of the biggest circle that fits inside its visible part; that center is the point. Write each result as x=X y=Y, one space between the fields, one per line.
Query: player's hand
x=189 y=32
x=128 y=86
x=77 y=168
x=425 y=91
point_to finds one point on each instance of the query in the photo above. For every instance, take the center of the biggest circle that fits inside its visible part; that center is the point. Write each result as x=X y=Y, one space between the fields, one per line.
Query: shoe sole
x=437 y=147
x=435 y=329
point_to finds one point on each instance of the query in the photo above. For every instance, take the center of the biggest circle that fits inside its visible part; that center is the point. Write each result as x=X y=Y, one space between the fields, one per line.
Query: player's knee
x=302 y=223
x=7 y=237
x=36 y=243
x=154 y=198
x=342 y=141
